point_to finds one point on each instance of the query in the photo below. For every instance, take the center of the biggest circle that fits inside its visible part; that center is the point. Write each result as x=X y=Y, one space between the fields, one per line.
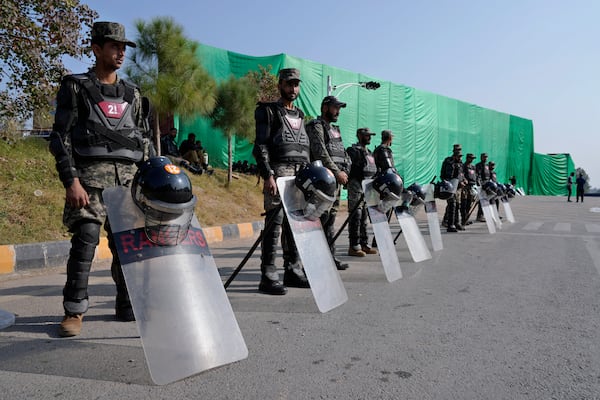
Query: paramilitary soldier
x=384 y=159
x=483 y=175
x=363 y=167
x=97 y=138
x=452 y=169
x=467 y=199
x=281 y=148
x=326 y=145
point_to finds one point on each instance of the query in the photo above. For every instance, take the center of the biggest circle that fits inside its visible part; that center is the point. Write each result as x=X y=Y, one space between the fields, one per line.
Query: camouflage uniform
x=74 y=110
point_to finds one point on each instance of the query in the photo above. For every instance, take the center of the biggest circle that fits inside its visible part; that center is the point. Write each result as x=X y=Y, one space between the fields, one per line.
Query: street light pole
x=371 y=85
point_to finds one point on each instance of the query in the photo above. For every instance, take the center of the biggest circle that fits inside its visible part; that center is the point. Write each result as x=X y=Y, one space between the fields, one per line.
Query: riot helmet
x=490 y=188
x=443 y=190
x=389 y=185
x=501 y=189
x=318 y=185
x=164 y=193
x=418 y=194
x=509 y=190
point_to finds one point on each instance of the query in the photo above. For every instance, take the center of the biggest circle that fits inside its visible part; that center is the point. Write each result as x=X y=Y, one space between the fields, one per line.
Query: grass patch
x=32 y=199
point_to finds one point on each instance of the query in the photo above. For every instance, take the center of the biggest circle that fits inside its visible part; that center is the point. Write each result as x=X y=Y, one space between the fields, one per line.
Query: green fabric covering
x=425 y=125
x=549 y=174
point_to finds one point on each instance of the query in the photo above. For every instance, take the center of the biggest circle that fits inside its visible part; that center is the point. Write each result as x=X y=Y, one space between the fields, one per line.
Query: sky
x=536 y=59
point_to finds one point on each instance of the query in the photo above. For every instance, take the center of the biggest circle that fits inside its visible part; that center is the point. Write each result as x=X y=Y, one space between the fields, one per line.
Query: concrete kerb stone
x=36 y=256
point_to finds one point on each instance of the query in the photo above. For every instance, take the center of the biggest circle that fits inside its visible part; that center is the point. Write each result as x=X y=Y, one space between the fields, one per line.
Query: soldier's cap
x=491 y=163
x=110 y=30
x=457 y=147
x=483 y=155
x=289 y=74
x=364 y=131
x=471 y=156
x=332 y=101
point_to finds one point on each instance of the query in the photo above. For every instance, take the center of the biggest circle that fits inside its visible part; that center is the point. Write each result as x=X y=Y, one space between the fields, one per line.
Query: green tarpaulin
x=425 y=125
x=549 y=174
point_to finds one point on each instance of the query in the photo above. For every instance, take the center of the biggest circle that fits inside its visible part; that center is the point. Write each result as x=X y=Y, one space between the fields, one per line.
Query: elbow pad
x=64 y=165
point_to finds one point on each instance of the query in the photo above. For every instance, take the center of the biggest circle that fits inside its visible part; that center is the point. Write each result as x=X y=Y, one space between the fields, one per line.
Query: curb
x=36 y=256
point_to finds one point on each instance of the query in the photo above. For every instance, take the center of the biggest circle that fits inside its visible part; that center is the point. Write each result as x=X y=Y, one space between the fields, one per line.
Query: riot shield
x=383 y=235
x=433 y=219
x=6 y=319
x=183 y=315
x=486 y=207
x=414 y=239
x=325 y=282
x=495 y=215
x=507 y=210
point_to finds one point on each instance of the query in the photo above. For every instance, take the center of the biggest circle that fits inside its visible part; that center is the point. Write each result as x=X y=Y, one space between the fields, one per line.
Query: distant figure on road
x=570 y=186
x=580 y=187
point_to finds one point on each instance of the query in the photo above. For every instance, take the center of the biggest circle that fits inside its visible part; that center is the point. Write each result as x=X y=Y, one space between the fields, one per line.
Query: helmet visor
x=167 y=229
x=318 y=204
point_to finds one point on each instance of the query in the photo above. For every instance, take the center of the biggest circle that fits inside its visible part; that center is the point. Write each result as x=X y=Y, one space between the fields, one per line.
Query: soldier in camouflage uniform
x=363 y=167
x=281 y=148
x=98 y=136
x=327 y=146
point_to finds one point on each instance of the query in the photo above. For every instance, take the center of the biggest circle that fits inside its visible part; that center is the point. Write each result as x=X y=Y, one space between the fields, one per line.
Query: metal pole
x=252 y=249
x=359 y=204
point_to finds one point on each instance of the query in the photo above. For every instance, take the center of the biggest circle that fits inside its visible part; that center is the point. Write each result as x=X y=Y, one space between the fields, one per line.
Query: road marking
x=533 y=226
x=592 y=247
x=562 y=227
x=592 y=227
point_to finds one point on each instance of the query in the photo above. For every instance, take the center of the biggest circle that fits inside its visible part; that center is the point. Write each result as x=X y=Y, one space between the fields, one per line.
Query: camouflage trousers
x=279 y=226
x=357 y=227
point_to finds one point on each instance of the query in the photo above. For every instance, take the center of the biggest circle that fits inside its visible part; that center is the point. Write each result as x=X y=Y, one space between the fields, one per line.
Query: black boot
x=268 y=286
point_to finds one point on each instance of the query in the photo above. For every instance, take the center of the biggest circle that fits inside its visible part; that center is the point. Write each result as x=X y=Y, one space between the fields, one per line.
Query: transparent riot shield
x=412 y=235
x=325 y=283
x=383 y=235
x=486 y=207
x=183 y=315
x=507 y=210
x=433 y=220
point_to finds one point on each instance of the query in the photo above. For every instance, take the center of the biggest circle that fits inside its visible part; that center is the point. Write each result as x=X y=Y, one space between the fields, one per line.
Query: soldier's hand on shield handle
x=270 y=186
x=76 y=196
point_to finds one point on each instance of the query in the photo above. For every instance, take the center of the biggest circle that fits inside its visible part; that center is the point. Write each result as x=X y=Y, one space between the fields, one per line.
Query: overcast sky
x=531 y=58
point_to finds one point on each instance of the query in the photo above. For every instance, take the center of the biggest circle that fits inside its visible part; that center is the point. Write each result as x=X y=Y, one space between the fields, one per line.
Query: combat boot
x=70 y=325
x=356 y=251
x=269 y=286
x=340 y=265
x=293 y=279
x=368 y=250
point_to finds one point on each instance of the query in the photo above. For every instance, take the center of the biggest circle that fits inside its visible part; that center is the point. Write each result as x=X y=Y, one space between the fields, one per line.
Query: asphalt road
x=514 y=315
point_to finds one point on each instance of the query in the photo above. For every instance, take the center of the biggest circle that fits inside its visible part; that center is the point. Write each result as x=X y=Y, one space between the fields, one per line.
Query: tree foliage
x=34 y=36
x=234 y=112
x=266 y=84
x=164 y=64
x=581 y=171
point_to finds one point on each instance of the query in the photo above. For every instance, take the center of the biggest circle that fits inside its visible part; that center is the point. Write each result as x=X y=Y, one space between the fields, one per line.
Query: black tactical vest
x=484 y=171
x=290 y=143
x=333 y=142
x=470 y=174
x=384 y=159
x=110 y=131
x=366 y=160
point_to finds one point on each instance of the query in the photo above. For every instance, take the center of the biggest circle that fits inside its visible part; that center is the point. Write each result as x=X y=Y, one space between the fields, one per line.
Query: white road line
x=562 y=227
x=592 y=227
x=533 y=226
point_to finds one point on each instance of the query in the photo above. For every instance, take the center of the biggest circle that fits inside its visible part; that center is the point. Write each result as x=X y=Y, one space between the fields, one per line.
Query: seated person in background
x=168 y=148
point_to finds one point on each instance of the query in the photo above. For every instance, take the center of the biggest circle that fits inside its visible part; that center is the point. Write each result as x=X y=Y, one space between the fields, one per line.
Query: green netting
x=549 y=174
x=425 y=125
